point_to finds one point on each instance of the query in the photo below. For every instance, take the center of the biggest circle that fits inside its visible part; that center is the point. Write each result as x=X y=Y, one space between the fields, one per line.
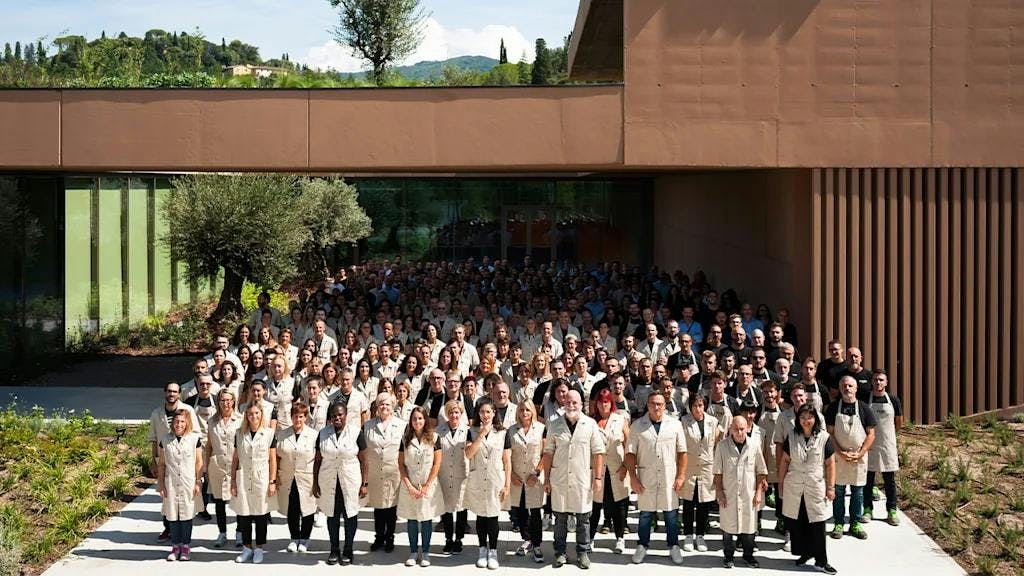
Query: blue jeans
x=671 y=527
x=181 y=532
x=856 y=504
x=419 y=530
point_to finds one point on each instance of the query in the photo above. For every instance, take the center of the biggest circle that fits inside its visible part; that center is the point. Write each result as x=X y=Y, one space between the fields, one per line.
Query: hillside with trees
x=188 y=59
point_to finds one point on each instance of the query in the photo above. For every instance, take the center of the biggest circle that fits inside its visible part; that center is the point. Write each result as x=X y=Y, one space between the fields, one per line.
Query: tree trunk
x=230 y=297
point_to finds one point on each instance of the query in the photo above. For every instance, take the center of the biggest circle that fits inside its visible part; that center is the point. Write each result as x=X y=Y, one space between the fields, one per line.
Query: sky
x=300 y=28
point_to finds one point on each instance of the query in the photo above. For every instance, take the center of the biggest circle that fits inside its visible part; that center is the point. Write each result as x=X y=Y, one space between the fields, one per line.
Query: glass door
x=528 y=230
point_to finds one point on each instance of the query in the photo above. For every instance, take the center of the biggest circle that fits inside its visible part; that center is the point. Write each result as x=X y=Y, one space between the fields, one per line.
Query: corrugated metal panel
x=922 y=269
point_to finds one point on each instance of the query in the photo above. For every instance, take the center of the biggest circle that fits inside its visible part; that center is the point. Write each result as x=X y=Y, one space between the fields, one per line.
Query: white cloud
x=439 y=43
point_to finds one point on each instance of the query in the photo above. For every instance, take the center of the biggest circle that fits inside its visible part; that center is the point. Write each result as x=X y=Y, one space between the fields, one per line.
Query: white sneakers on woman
x=481 y=560
x=492 y=559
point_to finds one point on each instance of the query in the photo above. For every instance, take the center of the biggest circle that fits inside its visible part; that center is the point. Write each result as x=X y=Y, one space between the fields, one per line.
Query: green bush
x=10 y=552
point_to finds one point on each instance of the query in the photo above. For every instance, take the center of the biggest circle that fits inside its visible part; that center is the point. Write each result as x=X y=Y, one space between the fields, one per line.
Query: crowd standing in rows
x=430 y=390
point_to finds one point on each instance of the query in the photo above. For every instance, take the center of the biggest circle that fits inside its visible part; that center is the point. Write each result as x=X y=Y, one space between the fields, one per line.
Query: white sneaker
x=238 y=539
x=525 y=548
x=638 y=555
x=245 y=556
x=786 y=545
x=701 y=545
x=492 y=559
x=303 y=546
x=481 y=560
x=620 y=545
x=424 y=561
x=257 y=556
x=676 y=554
x=688 y=543
x=413 y=560
x=319 y=520
x=293 y=546
x=221 y=540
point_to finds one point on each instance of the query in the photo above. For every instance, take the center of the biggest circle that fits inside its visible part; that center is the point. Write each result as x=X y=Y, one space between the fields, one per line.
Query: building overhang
x=596 y=45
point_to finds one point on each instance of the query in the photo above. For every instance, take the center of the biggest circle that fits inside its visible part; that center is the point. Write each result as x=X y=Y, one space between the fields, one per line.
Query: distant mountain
x=433 y=69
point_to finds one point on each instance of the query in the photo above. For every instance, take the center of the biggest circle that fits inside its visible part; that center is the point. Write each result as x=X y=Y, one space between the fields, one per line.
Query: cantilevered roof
x=595 y=49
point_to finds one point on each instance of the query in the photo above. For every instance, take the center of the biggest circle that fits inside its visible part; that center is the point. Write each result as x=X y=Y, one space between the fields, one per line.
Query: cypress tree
x=40 y=53
x=30 y=54
x=502 y=54
x=8 y=55
x=524 y=71
x=17 y=51
x=541 y=64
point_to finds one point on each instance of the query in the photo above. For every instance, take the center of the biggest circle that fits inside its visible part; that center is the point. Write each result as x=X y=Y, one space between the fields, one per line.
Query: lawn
x=60 y=477
x=963 y=483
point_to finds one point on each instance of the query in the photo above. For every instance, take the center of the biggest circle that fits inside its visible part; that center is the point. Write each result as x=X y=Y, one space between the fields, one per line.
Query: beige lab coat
x=656 y=461
x=382 y=442
x=252 y=480
x=487 y=476
x=419 y=459
x=700 y=463
x=527 y=449
x=614 y=439
x=179 y=459
x=805 y=478
x=739 y=470
x=454 y=466
x=339 y=464
x=571 y=472
x=295 y=455
x=221 y=440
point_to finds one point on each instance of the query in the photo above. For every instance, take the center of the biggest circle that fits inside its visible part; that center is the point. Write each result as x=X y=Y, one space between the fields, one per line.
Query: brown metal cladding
x=29 y=129
x=925 y=263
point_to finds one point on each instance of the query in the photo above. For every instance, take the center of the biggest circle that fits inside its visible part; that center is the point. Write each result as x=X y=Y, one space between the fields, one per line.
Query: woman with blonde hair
x=419 y=500
x=527 y=496
x=452 y=437
x=221 y=431
x=404 y=403
x=383 y=437
x=253 y=480
x=179 y=481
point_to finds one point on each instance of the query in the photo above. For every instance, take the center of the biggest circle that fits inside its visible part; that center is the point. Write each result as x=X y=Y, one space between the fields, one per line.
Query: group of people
x=553 y=394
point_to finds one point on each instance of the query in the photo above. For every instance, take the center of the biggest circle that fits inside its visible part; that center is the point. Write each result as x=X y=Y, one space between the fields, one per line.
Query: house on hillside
x=250 y=70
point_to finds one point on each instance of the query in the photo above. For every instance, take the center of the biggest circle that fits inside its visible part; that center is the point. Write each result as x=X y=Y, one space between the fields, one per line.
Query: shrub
x=964 y=430
x=10 y=552
x=118 y=486
x=986 y=566
x=101 y=464
x=68 y=525
x=38 y=549
x=81 y=487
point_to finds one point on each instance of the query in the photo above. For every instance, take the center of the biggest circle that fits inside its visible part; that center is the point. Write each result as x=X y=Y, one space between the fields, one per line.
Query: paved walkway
x=126 y=545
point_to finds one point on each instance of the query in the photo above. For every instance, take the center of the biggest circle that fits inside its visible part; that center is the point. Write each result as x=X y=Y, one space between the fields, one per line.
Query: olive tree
x=257 y=227
x=381 y=32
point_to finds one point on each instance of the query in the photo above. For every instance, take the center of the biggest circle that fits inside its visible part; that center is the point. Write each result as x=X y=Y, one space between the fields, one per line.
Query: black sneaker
x=333 y=558
x=457 y=547
x=751 y=562
x=727 y=563
x=164 y=536
x=827 y=569
x=448 y=545
x=803 y=560
x=389 y=546
x=377 y=545
x=205 y=516
x=346 y=558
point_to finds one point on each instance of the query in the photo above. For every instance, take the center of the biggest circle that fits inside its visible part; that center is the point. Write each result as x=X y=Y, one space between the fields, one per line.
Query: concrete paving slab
x=126 y=544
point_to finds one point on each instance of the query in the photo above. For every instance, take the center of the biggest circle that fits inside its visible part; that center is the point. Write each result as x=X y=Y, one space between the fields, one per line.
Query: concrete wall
x=748 y=230
x=818 y=83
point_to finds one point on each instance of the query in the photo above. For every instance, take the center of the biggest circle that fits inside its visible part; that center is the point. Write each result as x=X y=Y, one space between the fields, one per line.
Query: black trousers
x=245 y=525
x=456 y=525
x=384 y=520
x=889 y=480
x=807 y=538
x=334 y=524
x=695 y=511
x=614 y=511
x=487 y=531
x=299 y=527
x=746 y=541
x=528 y=520
x=221 y=509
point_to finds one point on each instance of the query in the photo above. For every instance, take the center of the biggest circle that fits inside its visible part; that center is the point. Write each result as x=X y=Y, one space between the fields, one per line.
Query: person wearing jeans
x=419 y=499
x=851 y=424
x=573 y=465
x=656 y=460
x=883 y=457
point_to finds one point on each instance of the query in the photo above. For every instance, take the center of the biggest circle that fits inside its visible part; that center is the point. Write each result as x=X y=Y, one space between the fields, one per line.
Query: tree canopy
x=381 y=32
x=264 y=228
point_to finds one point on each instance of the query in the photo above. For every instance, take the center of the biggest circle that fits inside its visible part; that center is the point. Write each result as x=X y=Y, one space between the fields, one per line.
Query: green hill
x=432 y=69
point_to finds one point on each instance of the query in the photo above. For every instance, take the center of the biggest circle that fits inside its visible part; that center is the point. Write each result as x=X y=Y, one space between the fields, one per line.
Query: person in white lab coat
x=489 y=451
x=296 y=452
x=339 y=478
x=253 y=481
x=740 y=479
x=419 y=499
x=179 y=475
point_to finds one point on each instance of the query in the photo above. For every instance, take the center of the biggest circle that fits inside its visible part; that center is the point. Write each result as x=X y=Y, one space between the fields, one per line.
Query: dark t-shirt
x=863 y=379
x=471 y=435
x=867 y=417
x=830 y=449
x=897 y=406
x=829 y=372
x=360 y=441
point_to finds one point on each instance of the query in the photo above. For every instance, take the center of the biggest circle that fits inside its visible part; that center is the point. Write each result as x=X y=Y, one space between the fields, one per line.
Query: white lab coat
x=739 y=470
x=419 y=459
x=252 y=479
x=571 y=472
x=339 y=464
x=382 y=442
x=454 y=467
x=179 y=459
x=295 y=456
x=656 y=453
x=527 y=449
x=700 y=462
